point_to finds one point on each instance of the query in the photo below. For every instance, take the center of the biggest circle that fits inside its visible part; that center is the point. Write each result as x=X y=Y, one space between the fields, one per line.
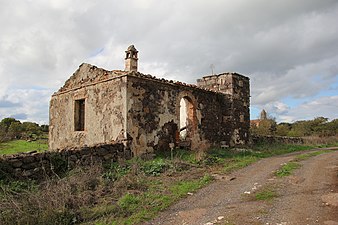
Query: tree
x=309 y=127
x=32 y=130
x=6 y=123
x=2 y=133
x=283 y=129
x=265 y=127
x=15 y=130
x=44 y=128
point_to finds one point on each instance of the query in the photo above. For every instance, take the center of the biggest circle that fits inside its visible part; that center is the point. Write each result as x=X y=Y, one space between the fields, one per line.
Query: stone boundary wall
x=38 y=166
x=255 y=139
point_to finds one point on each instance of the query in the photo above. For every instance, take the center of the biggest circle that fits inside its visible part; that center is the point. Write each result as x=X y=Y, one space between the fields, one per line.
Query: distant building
x=96 y=106
x=263 y=116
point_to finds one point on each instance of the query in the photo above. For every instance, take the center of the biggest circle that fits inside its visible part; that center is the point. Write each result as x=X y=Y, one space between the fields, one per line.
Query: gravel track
x=309 y=196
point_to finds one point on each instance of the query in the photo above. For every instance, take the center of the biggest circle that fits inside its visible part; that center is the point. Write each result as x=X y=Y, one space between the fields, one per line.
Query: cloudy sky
x=288 y=48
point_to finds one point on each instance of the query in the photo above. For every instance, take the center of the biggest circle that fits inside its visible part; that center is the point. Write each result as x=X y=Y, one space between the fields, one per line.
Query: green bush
x=155 y=167
x=116 y=171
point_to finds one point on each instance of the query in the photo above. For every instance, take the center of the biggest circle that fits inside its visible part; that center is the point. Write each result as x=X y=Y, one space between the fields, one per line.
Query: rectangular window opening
x=79 y=115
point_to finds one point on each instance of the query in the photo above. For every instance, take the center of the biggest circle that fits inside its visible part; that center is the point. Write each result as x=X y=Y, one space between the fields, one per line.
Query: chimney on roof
x=131 y=59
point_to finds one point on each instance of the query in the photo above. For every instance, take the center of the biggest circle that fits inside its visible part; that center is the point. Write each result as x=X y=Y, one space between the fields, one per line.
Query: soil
x=308 y=196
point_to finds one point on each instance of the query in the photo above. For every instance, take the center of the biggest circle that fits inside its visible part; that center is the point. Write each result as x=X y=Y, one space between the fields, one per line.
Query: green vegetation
x=128 y=191
x=16 y=137
x=183 y=187
x=12 y=129
x=239 y=162
x=309 y=155
x=287 y=169
x=17 y=146
x=318 y=127
x=267 y=194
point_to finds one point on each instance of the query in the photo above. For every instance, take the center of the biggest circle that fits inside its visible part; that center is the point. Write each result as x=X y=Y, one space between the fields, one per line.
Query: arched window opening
x=187 y=121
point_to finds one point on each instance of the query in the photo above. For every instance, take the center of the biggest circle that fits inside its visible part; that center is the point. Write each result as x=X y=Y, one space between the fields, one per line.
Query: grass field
x=129 y=191
x=17 y=146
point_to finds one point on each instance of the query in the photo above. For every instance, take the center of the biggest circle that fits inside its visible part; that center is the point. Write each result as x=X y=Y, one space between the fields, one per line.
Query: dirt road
x=309 y=196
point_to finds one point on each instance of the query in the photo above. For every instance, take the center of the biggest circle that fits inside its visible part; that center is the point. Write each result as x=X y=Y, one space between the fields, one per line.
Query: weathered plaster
x=143 y=112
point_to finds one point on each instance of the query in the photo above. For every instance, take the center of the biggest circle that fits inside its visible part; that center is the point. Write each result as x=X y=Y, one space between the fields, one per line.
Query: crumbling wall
x=152 y=119
x=143 y=112
x=43 y=165
x=237 y=87
x=240 y=109
x=154 y=115
x=105 y=114
x=256 y=139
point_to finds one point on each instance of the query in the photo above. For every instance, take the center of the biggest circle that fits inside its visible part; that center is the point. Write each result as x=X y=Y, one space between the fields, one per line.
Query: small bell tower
x=131 y=59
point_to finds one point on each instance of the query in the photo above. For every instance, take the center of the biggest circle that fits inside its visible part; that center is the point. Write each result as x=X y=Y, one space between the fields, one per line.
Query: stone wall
x=143 y=111
x=104 y=94
x=154 y=115
x=39 y=166
x=276 y=139
x=237 y=87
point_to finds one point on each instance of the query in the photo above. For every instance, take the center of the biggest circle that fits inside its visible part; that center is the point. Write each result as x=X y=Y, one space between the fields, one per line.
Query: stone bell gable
x=96 y=106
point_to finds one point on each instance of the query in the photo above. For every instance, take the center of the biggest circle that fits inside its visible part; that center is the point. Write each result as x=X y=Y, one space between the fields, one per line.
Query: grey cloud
x=8 y=104
x=20 y=116
x=324 y=106
x=284 y=46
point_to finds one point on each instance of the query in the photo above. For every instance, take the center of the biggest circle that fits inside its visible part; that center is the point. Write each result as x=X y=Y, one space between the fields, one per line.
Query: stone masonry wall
x=276 y=139
x=154 y=113
x=143 y=111
x=238 y=88
x=39 y=166
x=105 y=114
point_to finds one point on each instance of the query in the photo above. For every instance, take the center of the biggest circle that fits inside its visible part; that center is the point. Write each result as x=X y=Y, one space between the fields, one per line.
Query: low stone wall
x=276 y=139
x=39 y=166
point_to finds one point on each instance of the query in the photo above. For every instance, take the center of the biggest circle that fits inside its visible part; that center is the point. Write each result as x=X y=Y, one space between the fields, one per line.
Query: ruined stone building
x=96 y=106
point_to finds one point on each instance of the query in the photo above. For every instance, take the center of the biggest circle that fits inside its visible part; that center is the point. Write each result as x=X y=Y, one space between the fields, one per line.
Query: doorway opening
x=187 y=119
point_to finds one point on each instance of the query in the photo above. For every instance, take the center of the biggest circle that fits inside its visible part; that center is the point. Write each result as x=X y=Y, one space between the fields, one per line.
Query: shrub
x=155 y=167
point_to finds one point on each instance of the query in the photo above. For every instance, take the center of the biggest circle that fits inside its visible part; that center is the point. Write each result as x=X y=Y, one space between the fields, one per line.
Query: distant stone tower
x=263 y=115
x=131 y=59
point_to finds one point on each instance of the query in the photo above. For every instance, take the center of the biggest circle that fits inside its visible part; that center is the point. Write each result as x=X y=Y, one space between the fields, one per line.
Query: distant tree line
x=11 y=129
x=319 y=126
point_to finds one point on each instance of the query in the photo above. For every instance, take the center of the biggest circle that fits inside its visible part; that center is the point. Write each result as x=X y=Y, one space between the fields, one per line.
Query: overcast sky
x=288 y=48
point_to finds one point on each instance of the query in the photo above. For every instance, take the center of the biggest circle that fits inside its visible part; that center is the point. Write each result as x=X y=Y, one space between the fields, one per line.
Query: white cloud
x=324 y=106
x=26 y=104
x=288 y=48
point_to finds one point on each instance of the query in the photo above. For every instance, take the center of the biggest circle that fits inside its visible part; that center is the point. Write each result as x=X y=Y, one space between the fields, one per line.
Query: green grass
x=134 y=191
x=182 y=188
x=268 y=150
x=234 y=159
x=265 y=195
x=18 y=146
x=134 y=208
x=309 y=155
x=287 y=169
x=238 y=162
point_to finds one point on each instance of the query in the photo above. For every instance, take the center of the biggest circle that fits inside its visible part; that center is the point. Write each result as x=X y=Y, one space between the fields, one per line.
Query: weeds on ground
x=267 y=194
x=309 y=155
x=264 y=150
x=322 y=142
x=287 y=169
x=239 y=162
x=127 y=192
